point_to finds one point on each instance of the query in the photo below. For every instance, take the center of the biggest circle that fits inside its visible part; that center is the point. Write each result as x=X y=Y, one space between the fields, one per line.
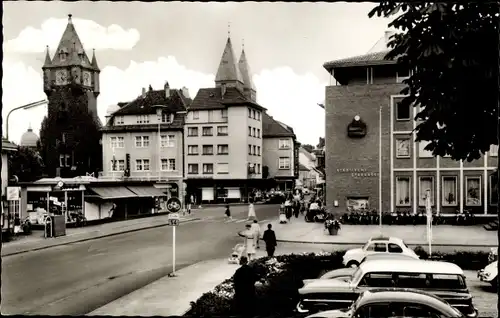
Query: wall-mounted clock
x=61 y=77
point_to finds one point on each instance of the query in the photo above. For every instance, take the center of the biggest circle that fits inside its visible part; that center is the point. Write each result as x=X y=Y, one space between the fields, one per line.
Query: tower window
x=62 y=55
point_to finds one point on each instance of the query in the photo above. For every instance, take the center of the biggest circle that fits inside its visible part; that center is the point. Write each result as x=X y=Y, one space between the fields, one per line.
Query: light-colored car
x=346 y=273
x=489 y=274
x=394 y=302
x=377 y=245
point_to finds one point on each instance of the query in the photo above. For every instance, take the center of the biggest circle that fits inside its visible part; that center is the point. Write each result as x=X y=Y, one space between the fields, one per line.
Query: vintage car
x=346 y=273
x=445 y=280
x=489 y=274
x=377 y=245
x=394 y=302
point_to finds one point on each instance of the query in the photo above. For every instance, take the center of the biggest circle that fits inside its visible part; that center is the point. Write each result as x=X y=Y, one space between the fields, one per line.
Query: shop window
x=403 y=197
x=449 y=191
x=402 y=109
x=425 y=183
x=493 y=192
x=422 y=153
x=473 y=191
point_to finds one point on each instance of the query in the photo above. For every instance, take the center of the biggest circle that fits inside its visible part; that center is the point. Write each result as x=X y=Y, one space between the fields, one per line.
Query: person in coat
x=249 y=242
x=244 y=288
x=255 y=227
x=270 y=240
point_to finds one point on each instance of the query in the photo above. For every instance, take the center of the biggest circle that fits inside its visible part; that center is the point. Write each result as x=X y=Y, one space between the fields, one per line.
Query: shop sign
x=358 y=172
x=13 y=193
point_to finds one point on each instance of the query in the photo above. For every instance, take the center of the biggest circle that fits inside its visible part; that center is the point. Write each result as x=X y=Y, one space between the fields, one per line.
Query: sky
x=140 y=44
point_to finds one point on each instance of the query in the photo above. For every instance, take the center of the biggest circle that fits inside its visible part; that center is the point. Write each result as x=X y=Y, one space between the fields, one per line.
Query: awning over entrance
x=146 y=191
x=113 y=192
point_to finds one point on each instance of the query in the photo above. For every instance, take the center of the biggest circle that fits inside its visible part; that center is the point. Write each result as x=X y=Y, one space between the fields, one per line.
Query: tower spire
x=70 y=21
x=246 y=74
x=47 y=58
x=70 y=48
x=228 y=71
x=94 y=61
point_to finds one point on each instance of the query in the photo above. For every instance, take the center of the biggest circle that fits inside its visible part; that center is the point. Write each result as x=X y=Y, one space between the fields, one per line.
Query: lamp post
x=25 y=107
x=380 y=167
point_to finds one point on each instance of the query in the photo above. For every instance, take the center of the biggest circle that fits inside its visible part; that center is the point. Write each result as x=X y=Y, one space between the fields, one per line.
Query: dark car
x=394 y=302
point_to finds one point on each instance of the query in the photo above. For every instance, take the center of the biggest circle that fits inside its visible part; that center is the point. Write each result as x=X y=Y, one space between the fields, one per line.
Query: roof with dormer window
x=211 y=98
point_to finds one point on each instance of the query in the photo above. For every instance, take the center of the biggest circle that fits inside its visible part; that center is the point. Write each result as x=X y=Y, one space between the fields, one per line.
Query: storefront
x=221 y=191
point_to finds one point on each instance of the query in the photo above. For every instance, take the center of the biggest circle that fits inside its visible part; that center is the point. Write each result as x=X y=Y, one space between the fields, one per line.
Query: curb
x=93 y=238
x=362 y=243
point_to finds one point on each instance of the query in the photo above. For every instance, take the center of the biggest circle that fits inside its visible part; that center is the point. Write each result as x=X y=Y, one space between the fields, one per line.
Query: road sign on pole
x=173 y=219
x=174 y=205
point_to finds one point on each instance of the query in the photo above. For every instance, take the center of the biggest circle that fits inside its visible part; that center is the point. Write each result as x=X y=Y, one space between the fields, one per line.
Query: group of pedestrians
x=252 y=236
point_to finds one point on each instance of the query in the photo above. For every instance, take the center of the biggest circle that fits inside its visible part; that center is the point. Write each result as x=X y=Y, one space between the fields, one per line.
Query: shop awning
x=146 y=191
x=113 y=192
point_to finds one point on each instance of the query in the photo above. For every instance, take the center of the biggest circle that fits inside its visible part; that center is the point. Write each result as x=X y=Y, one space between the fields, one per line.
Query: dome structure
x=29 y=138
x=111 y=109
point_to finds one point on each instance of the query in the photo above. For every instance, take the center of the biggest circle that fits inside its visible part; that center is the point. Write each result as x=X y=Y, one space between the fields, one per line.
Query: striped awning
x=146 y=191
x=113 y=192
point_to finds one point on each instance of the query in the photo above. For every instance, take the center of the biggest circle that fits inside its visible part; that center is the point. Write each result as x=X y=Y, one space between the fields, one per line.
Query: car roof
x=378 y=256
x=390 y=239
x=411 y=265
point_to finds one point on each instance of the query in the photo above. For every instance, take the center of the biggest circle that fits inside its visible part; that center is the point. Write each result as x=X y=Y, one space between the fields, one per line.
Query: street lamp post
x=25 y=107
x=380 y=166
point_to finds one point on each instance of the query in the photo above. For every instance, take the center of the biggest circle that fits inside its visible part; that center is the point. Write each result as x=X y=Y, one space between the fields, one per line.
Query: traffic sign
x=173 y=219
x=174 y=205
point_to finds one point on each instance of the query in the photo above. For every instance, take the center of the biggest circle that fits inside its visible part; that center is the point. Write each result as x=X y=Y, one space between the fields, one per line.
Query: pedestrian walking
x=288 y=209
x=17 y=224
x=251 y=211
x=228 y=213
x=244 y=289
x=270 y=240
x=249 y=242
x=256 y=230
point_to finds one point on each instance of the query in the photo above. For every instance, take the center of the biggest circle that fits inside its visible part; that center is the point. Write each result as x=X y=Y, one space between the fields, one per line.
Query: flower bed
x=283 y=276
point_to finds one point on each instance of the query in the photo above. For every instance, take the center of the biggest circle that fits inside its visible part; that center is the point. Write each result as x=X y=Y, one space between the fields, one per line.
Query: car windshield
x=366 y=245
x=356 y=275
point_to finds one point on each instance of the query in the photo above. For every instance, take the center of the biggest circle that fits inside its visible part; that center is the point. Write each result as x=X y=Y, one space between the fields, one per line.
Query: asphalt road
x=78 y=278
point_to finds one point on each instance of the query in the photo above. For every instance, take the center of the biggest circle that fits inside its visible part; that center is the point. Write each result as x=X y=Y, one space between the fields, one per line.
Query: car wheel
x=352 y=264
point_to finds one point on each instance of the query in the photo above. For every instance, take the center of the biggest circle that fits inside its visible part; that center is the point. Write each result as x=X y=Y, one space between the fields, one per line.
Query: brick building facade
x=365 y=86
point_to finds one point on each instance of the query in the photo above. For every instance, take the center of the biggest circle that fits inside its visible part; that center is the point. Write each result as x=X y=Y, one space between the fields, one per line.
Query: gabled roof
x=228 y=69
x=8 y=146
x=245 y=71
x=307 y=154
x=370 y=59
x=143 y=105
x=272 y=128
x=211 y=98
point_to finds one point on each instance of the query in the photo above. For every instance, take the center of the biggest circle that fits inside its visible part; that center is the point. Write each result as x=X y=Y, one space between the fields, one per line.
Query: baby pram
x=283 y=218
x=237 y=253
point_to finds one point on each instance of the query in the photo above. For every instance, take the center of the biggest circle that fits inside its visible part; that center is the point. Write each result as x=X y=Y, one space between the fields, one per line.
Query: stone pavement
x=299 y=231
x=36 y=241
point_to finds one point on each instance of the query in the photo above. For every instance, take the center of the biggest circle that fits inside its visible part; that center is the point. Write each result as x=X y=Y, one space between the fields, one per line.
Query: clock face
x=61 y=77
x=86 y=78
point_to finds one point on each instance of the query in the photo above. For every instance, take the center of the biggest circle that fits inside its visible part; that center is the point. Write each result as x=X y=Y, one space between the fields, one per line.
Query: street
x=78 y=278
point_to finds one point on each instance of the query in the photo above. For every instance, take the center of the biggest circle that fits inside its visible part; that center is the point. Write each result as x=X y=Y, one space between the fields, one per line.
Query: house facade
x=7 y=206
x=223 y=135
x=367 y=87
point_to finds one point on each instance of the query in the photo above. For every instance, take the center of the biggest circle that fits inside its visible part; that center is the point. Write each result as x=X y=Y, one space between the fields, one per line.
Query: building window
x=224 y=113
x=402 y=111
x=167 y=141
x=254 y=132
x=222 y=131
x=473 y=188
x=249 y=149
x=422 y=153
x=249 y=131
x=403 y=191
x=258 y=116
x=64 y=161
x=168 y=164
x=117 y=142
x=208 y=168
x=196 y=114
x=192 y=131
x=258 y=150
x=167 y=118
x=222 y=149
x=119 y=120
x=193 y=168
x=284 y=163
x=449 y=191
x=208 y=149
x=193 y=150
x=222 y=168
x=258 y=168
x=254 y=115
x=254 y=150
x=208 y=131
x=493 y=151
x=249 y=112
x=284 y=144
x=117 y=165
x=493 y=192
x=142 y=165
x=143 y=119
x=258 y=133
x=425 y=183
x=141 y=141
x=403 y=148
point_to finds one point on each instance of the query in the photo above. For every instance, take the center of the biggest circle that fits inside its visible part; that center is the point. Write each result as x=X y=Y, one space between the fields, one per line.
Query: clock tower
x=71 y=83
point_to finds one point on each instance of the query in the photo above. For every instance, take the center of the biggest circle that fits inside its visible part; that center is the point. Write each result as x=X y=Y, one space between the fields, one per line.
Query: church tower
x=248 y=87
x=228 y=74
x=71 y=83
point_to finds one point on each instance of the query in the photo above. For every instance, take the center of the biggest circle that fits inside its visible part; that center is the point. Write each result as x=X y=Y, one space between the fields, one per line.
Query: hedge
x=278 y=296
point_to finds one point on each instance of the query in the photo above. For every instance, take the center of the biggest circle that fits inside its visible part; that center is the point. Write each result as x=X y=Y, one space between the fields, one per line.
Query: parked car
x=493 y=256
x=377 y=245
x=442 y=279
x=489 y=274
x=394 y=302
x=346 y=273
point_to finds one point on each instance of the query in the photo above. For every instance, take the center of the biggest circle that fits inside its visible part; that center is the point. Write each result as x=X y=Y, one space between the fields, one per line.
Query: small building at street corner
x=362 y=87
x=7 y=147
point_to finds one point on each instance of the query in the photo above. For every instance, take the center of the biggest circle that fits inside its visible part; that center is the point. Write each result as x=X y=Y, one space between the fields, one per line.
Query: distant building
x=223 y=135
x=364 y=84
x=29 y=139
x=306 y=158
x=280 y=153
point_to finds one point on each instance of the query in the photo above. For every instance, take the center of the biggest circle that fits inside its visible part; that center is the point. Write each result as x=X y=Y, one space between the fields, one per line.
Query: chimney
x=185 y=92
x=166 y=87
x=143 y=92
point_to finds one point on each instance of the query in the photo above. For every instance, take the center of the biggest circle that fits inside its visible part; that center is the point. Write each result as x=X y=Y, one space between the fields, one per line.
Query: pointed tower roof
x=70 y=43
x=228 y=69
x=245 y=71
x=47 y=58
x=94 y=61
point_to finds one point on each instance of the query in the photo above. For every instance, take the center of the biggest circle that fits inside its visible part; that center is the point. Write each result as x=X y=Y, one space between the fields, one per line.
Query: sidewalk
x=299 y=231
x=171 y=296
x=36 y=241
